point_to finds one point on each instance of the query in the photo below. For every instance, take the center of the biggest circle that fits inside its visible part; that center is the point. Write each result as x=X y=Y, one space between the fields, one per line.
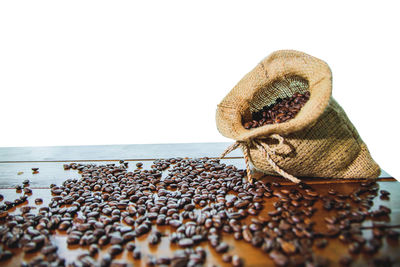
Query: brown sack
x=319 y=142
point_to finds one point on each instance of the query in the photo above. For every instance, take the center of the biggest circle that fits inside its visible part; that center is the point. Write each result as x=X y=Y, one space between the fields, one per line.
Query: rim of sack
x=277 y=65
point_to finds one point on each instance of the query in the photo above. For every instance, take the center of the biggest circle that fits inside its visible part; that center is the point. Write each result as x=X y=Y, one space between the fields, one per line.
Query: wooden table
x=16 y=164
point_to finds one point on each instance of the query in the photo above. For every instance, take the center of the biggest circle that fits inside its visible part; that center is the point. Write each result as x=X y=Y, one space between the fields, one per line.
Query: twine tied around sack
x=267 y=152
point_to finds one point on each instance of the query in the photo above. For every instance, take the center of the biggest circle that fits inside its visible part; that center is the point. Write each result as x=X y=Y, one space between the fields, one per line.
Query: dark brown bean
x=278 y=258
x=186 y=242
x=236 y=261
x=137 y=254
x=222 y=247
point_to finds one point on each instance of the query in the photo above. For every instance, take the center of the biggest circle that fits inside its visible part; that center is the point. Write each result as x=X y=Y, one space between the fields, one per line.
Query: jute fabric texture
x=319 y=142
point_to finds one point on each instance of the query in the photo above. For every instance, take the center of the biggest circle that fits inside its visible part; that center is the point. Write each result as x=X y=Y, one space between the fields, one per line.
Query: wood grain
x=114 y=152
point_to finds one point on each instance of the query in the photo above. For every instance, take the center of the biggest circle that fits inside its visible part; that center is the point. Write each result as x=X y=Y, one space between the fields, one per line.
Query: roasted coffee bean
x=345 y=261
x=282 y=110
x=115 y=250
x=29 y=247
x=385 y=192
x=130 y=246
x=222 y=247
x=142 y=229
x=154 y=238
x=163 y=260
x=278 y=258
x=287 y=247
x=93 y=249
x=236 y=261
x=175 y=223
x=247 y=235
x=5 y=255
x=73 y=239
x=186 y=242
x=227 y=258
x=257 y=241
x=137 y=254
x=116 y=238
x=3 y=214
x=49 y=249
x=27 y=191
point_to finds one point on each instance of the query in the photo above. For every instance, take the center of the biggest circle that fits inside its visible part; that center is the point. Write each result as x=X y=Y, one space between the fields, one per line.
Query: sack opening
x=273 y=92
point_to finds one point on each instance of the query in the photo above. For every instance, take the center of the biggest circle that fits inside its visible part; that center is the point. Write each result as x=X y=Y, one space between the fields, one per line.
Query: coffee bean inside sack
x=282 y=110
x=195 y=212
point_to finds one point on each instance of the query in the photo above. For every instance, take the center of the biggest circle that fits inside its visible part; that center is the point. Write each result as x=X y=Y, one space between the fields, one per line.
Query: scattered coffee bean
x=198 y=201
x=186 y=242
x=137 y=254
x=236 y=261
x=226 y=258
x=139 y=164
x=115 y=250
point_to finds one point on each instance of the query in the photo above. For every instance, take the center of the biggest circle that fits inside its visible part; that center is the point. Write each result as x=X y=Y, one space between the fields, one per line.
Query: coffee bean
x=137 y=253
x=106 y=260
x=354 y=248
x=236 y=261
x=175 y=223
x=287 y=247
x=385 y=192
x=345 y=261
x=130 y=246
x=241 y=204
x=186 y=242
x=222 y=247
x=154 y=238
x=93 y=249
x=163 y=260
x=282 y=110
x=142 y=229
x=227 y=258
x=392 y=234
x=247 y=235
x=116 y=238
x=29 y=247
x=115 y=250
x=278 y=258
x=49 y=249
x=73 y=239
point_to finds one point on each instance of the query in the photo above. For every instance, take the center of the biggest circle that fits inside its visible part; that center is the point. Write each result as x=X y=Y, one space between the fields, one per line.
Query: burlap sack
x=319 y=142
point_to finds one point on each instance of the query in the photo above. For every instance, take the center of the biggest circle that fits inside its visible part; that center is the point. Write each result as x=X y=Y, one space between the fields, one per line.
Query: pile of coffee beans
x=200 y=201
x=282 y=110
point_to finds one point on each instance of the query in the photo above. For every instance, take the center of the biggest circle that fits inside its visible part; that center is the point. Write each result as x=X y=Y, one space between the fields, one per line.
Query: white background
x=117 y=72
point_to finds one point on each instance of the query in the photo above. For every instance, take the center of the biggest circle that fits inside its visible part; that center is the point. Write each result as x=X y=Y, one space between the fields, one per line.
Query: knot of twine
x=267 y=152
